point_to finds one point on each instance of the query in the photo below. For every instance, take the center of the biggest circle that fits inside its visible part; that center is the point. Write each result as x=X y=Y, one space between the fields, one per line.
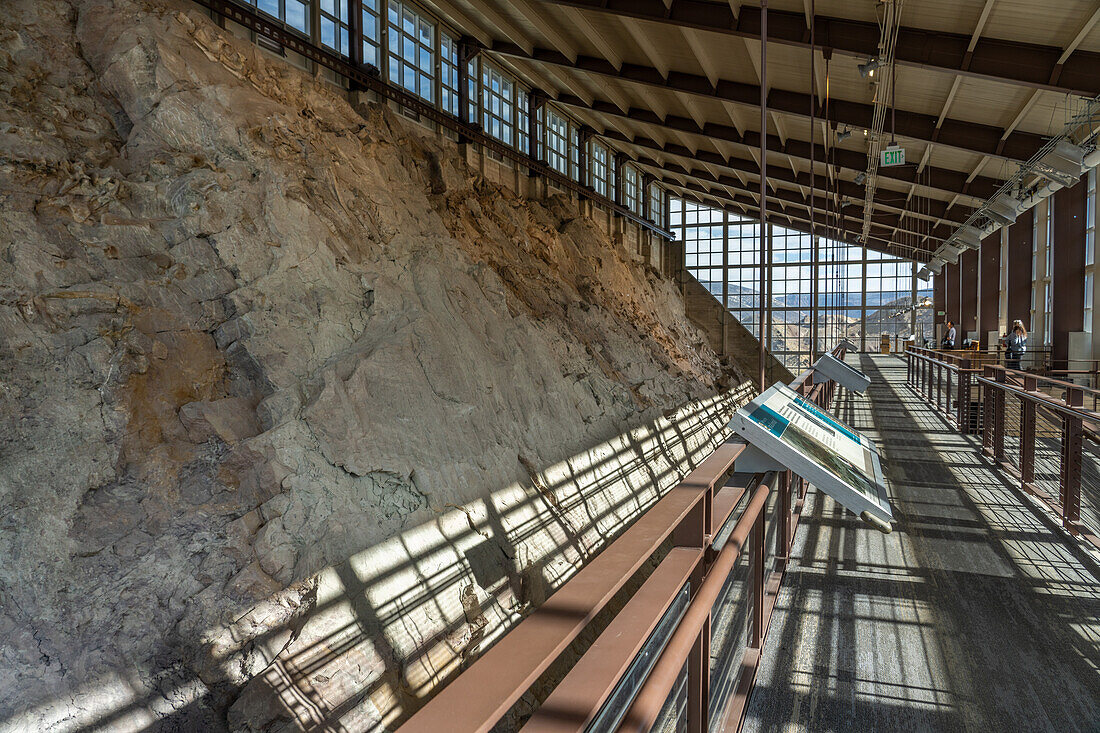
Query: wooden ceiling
x=979 y=86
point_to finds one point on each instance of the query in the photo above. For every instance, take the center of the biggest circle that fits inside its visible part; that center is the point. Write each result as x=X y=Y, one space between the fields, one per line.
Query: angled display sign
x=791 y=432
x=829 y=367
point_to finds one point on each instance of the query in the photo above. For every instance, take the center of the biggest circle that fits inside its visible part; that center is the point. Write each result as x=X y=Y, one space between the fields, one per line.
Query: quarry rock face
x=297 y=414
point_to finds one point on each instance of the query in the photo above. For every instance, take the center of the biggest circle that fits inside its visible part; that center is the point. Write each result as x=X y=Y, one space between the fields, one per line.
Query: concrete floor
x=976 y=614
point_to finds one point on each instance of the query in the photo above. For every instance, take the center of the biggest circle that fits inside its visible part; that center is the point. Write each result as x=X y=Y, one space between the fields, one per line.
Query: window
x=1048 y=289
x=1090 y=248
x=791 y=316
x=557 y=140
x=703 y=241
x=574 y=152
x=889 y=298
x=411 y=44
x=632 y=189
x=448 y=74
x=744 y=274
x=840 y=283
x=334 y=26
x=656 y=204
x=294 y=13
x=472 y=87
x=372 y=31
x=523 y=103
x=597 y=157
x=499 y=104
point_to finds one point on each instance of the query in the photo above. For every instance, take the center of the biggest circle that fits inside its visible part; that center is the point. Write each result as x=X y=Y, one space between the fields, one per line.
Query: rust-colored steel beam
x=941 y=179
x=1006 y=61
x=969 y=136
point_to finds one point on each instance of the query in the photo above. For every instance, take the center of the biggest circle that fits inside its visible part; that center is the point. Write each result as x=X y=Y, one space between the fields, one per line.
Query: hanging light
x=1062 y=164
x=967 y=236
x=867 y=70
x=1002 y=209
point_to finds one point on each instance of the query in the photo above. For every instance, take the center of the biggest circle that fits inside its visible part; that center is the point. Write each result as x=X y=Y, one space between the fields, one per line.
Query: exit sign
x=892 y=156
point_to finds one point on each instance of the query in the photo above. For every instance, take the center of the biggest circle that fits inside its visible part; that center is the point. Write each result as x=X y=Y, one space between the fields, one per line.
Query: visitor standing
x=949 y=337
x=1015 y=345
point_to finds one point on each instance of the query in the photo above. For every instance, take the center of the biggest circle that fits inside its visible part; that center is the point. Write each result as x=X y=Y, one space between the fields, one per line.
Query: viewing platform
x=979 y=611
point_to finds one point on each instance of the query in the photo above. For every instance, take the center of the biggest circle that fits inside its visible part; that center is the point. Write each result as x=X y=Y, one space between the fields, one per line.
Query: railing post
x=931 y=383
x=999 y=417
x=1027 y=436
x=988 y=427
x=963 y=401
x=756 y=562
x=939 y=387
x=698 y=707
x=947 y=393
x=784 y=528
x=1071 y=462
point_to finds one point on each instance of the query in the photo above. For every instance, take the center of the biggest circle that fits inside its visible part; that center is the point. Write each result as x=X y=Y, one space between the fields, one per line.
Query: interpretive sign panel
x=829 y=367
x=819 y=448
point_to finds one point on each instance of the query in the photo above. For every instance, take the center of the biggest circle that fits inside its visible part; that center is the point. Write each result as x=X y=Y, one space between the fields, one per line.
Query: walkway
x=976 y=614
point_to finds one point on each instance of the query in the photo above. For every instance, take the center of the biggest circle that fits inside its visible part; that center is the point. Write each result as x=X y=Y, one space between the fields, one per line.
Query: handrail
x=1042 y=399
x=643 y=713
x=688 y=514
x=1014 y=372
x=981 y=407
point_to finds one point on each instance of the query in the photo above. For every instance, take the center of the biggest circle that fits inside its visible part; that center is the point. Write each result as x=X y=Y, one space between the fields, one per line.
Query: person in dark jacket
x=949 y=337
x=1015 y=345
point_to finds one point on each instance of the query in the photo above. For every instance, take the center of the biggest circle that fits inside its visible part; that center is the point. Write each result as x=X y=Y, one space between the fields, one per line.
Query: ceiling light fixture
x=868 y=69
x=861 y=178
x=843 y=135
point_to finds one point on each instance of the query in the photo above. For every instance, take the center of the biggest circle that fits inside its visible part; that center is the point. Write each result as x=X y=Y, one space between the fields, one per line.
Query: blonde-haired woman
x=1015 y=345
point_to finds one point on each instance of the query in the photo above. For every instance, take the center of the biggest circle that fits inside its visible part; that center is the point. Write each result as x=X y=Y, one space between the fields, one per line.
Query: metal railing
x=681 y=653
x=1035 y=427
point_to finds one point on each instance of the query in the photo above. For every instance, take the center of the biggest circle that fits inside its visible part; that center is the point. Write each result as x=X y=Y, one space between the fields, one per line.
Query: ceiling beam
x=949 y=181
x=967 y=136
x=1010 y=62
x=784 y=196
x=945 y=223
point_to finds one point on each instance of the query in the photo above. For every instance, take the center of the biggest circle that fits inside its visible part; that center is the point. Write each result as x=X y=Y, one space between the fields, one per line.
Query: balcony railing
x=681 y=652
x=1043 y=431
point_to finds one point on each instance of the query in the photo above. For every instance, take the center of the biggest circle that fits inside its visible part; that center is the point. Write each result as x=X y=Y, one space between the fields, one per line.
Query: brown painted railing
x=719 y=541
x=1034 y=427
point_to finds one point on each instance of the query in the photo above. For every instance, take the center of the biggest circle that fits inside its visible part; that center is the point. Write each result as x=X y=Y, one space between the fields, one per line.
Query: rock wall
x=283 y=385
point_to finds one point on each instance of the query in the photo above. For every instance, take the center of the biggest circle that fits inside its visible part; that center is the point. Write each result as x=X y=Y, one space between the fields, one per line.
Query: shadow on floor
x=977 y=613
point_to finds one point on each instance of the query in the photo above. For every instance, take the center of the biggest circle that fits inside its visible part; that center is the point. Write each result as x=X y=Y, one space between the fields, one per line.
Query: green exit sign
x=892 y=156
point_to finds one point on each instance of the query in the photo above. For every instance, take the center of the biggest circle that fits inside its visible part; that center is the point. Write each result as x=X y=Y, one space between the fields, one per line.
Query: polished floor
x=976 y=614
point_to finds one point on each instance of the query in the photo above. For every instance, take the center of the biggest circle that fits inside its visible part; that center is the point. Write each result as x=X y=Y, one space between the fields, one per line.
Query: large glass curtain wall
x=416 y=51
x=862 y=294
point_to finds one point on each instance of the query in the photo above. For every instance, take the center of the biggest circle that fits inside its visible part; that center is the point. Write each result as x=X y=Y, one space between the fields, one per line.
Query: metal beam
x=1010 y=62
x=944 y=179
x=787 y=199
x=788 y=196
x=967 y=136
